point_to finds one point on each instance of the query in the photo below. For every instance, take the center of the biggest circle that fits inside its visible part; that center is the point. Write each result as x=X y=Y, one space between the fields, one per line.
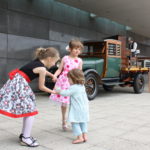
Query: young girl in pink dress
x=68 y=63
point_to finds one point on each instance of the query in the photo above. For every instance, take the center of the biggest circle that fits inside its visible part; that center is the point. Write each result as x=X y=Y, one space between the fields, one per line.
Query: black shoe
x=33 y=143
x=21 y=135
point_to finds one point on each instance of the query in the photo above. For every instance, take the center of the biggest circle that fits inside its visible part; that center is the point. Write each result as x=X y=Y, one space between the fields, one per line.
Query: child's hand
x=54 y=78
x=54 y=92
x=57 y=90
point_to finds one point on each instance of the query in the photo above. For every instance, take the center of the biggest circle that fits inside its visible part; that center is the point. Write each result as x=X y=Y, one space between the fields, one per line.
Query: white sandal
x=64 y=126
x=21 y=135
x=32 y=144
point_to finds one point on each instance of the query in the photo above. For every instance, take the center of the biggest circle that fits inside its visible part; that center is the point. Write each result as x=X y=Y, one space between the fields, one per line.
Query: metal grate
x=147 y=63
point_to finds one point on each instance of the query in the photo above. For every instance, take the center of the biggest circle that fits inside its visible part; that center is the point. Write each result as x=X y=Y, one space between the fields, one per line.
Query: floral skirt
x=62 y=83
x=17 y=98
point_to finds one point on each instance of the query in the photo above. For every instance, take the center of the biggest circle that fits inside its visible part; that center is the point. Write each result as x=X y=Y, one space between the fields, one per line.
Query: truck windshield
x=93 y=49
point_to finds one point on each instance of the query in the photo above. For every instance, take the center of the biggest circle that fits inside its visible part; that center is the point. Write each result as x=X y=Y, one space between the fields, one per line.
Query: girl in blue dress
x=79 y=107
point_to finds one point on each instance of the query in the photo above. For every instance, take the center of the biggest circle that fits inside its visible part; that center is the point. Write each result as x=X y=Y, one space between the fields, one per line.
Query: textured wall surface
x=28 y=24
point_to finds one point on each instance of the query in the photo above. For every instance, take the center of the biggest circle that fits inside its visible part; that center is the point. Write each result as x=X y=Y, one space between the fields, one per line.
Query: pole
x=149 y=80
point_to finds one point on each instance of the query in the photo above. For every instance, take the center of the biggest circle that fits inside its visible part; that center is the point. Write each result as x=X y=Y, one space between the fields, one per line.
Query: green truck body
x=107 y=63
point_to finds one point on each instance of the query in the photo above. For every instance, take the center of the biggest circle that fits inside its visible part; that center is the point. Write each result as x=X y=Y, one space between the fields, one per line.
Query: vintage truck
x=107 y=63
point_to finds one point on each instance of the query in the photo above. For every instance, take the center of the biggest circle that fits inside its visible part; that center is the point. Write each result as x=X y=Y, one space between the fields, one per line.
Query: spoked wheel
x=139 y=83
x=91 y=86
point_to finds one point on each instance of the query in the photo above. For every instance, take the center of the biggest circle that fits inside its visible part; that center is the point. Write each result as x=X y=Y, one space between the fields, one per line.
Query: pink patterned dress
x=62 y=81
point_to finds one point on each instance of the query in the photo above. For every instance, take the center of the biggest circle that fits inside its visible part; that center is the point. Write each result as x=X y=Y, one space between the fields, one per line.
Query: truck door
x=113 y=60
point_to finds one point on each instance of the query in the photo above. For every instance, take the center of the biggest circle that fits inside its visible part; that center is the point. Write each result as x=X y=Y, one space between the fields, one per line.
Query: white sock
x=23 y=124
x=27 y=126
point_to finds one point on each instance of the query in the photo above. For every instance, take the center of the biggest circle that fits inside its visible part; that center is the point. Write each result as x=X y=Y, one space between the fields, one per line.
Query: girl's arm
x=59 y=70
x=42 y=74
x=67 y=92
x=49 y=74
x=80 y=65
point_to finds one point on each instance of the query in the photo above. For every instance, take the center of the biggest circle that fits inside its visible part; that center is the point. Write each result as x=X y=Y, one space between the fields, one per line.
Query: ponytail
x=42 y=53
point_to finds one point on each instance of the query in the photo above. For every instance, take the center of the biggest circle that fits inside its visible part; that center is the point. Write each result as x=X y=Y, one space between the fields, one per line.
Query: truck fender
x=93 y=71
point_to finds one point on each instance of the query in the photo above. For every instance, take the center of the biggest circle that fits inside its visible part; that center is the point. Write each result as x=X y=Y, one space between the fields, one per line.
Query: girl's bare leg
x=63 y=111
x=84 y=135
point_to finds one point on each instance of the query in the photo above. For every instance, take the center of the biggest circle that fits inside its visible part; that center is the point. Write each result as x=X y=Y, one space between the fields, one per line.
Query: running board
x=110 y=79
x=113 y=83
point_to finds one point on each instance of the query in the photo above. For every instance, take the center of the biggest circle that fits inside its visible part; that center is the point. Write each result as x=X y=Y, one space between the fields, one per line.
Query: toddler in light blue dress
x=79 y=105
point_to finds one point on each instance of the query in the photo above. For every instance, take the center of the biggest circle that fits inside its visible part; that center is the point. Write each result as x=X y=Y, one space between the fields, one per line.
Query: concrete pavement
x=119 y=120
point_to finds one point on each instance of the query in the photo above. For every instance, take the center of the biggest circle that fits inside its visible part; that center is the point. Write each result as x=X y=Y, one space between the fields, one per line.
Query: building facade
x=28 y=24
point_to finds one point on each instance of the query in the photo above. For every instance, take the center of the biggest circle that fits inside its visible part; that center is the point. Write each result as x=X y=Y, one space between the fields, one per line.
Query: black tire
x=108 y=87
x=91 y=86
x=139 y=83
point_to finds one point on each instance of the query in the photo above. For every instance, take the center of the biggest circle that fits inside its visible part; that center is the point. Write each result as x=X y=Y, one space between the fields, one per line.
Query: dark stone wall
x=28 y=24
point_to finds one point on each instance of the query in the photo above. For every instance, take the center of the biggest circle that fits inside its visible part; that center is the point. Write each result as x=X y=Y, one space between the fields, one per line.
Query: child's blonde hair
x=42 y=53
x=77 y=76
x=76 y=44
